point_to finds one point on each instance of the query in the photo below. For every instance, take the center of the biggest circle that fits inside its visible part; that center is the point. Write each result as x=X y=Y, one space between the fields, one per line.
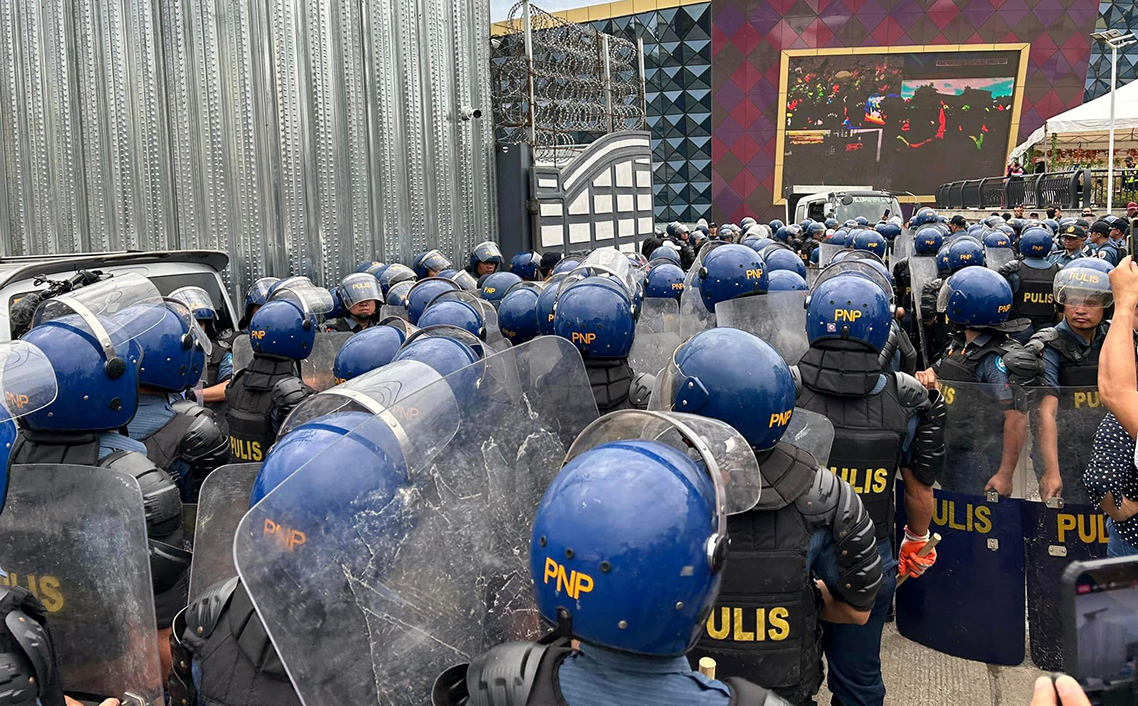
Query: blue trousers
x=853 y=652
x=1117 y=546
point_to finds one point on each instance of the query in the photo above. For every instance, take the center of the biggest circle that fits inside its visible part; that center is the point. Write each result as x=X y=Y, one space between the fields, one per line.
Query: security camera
x=466 y=113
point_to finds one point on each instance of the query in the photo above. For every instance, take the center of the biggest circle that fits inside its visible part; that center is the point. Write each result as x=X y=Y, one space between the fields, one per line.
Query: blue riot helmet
x=1094 y=263
x=814 y=255
x=779 y=258
x=665 y=281
x=804 y=224
x=831 y=223
x=446 y=349
x=424 y=292
x=338 y=310
x=997 y=239
x=89 y=336
x=975 y=297
x=430 y=263
x=927 y=241
x=1067 y=221
x=665 y=253
x=758 y=244
x=526 y=265
x=375 y=268
x=849 y=308
x=755 y=397
x=942 y=261
x=782 y=235
x=168 y=348
x=775 y=225
x=1035 y=243
x=398 y=293
x=871 y=241
x=923 y=217
x=366 y=265
x=1017 y=225
x=786 y=281
x=517 y=313
x=1082 y=286
x=281 y=328
x=1006 y=230
x=840 y=238
x=198 y=301
x=730 y=271
x=862 y=221
x=793 y=232
x=596 y=315
x=747 y=222
x=816 y=230
x=1052 y=224
x=485 y=252
x=964 y=252
x=462 y=278
x=567 y=265
x=393 y=275
x=450 y=309
x=257 y=295
x=495 y=286
x=359 y=287
x=977 y=229
x=371 y=348
x=850 y=224
x=749 y=239
x=545 y=305
x=889 y=231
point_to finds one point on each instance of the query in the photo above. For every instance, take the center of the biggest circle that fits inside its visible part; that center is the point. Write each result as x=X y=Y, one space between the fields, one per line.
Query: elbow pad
x=927 y=457
x=885 y=357
x=831 y=502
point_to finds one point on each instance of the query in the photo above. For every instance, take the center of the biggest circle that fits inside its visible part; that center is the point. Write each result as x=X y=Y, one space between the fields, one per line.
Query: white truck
x=840 y=203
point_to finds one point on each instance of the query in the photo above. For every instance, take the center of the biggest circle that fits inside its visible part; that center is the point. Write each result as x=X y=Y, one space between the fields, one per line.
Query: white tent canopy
x=1090 y=122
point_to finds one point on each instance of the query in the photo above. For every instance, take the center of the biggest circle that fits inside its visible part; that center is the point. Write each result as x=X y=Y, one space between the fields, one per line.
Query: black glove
x=929 y=295
x=1010 y=268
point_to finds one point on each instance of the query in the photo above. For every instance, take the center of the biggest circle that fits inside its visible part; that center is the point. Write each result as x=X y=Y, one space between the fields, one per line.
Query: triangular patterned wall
x=1123 y=15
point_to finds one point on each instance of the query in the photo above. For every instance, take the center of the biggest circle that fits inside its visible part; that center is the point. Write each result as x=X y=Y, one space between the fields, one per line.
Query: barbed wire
x=571 y=98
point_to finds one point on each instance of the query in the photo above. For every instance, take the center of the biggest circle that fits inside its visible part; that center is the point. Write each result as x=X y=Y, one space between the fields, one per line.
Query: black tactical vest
x=223 y=634
x=764 y=627
x=610 y=380
x=869 y=433
x=1034 y=298
x=162 y=445
x=1078 y=413
x=249 y=399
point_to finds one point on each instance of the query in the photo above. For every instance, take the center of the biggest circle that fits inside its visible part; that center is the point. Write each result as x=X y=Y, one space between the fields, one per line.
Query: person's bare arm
x=1051 y=484
x=215 y=393
x=1117 y=378
x=1015 y=430
x=918 y=502
x=835 y=611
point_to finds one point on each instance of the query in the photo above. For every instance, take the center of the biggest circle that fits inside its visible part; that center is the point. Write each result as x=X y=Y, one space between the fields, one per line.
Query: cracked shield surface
x=374 y=578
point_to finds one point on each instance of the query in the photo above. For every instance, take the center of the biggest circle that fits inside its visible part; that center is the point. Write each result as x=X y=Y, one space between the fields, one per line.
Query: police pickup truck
x=168 y=270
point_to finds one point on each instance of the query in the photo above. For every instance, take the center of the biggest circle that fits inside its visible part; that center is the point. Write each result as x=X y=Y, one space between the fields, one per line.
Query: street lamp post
x=1116 y=40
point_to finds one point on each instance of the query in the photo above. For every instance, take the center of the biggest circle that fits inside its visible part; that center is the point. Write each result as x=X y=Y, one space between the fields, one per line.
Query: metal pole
x=1110 y=150
x=608 y=78
x=643 y=87
x=529 y=67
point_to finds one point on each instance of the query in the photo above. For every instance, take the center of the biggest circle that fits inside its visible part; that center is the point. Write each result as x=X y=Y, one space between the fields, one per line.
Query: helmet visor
x=435 y=261
x=259 y=292
x=1082 y=286
x=312 y=300
x=487 y=252
x=197 y=300
x=27 y=380
x=452 y=332
x=197 y=334
x=97 y=305
x=602 y=262
x=402 y=324
x=357 y=288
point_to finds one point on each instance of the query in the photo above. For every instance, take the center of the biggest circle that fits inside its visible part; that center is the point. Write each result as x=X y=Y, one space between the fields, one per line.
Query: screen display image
x=899 y=121
x=1106 y=625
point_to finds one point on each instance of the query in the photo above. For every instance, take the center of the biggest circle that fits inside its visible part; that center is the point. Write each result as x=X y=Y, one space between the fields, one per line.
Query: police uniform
x=768 y=588
x=221 y=638
x=879 y=421
x=259 y=397
x=1032 y=296
x=1063 y=257
x=169 y=562
x=181 y=437
x=219 y=368
x=346 y=324
x=29 y=673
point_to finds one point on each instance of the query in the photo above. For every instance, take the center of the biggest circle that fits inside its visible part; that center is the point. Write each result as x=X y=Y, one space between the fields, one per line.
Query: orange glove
x=912 y=564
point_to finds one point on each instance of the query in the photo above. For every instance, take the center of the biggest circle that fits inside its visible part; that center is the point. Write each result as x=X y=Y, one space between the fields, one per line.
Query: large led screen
x=905 y=121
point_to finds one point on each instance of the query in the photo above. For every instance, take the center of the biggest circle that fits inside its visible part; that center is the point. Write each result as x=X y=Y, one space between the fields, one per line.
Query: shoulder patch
x=1000 y=364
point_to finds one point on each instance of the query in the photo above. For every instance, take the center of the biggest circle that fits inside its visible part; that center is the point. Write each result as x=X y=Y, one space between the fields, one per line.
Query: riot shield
x=658 y=315
x=811 y=432
x=969 y=604
x=316 y=369
x=694 y=316
x=827 y=251
x=697 y=265
x=779 y=318
x=1068 y=528
x=223 y=501
x=407 y=582
x=75 y=536
x=812 y=274
x=651 y=352
x=902 y=247
x=995 y=258
x=391 y=310
x=983 y=422
x=922 y=270
x=242 y=351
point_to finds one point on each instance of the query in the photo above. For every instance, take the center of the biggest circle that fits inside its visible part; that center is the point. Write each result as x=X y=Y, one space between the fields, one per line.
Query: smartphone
x=1099 y=610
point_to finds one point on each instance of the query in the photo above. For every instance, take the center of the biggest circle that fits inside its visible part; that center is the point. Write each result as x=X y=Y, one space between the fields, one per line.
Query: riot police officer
x=731 y=271
x=976 y=301
x=219 y=364
x=360 y=296
x=256 y=297
x=774 y=539
x=647 y=599
x=1069 y=354
x=527 y=265
x=260 y=396
x=485 y=259
x=1102 y=245
x=1031 y=279
x=883 y=422
x=430 y=264
x=180 y=435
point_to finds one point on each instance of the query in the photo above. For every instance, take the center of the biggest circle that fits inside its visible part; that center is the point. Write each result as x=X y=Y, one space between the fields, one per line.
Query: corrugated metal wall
x=299 y=136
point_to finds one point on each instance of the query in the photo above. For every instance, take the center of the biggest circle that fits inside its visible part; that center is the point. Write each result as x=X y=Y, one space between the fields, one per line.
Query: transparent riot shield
x=316 y=369
x=979 y=575
x=75 y=536
x=242 y=351
x=223 y=501
x=812 y=274
x=1065 y=526
x=922 y=270
x=27 y=384
x=694 y=316
x=697 y=265
x=658 y=315
x=651 y=352
x=374 y=584
x=826 y=252
x=779 y=318
x=902 y=247
x=811 y=432
x=995 y=258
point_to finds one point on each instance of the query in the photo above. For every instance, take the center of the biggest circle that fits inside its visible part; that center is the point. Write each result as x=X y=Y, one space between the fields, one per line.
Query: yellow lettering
x=585 y=338
x=949 y=394
x=1004 y=307
x=983 y=519
x=780 y=418
x=678 y=286
x=722 y=632
x=575 y=583
x=754 y=274
x=1066 y=523
x=489 y=290
x=1087 y=533
x=741 y=635
x=551 y=317
x=880 y=480
x=582 y=584
x=257 y=333
x=50 y=594
x=847 y=314
x=780 y=625
x=952 y=523
x=550 y=569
